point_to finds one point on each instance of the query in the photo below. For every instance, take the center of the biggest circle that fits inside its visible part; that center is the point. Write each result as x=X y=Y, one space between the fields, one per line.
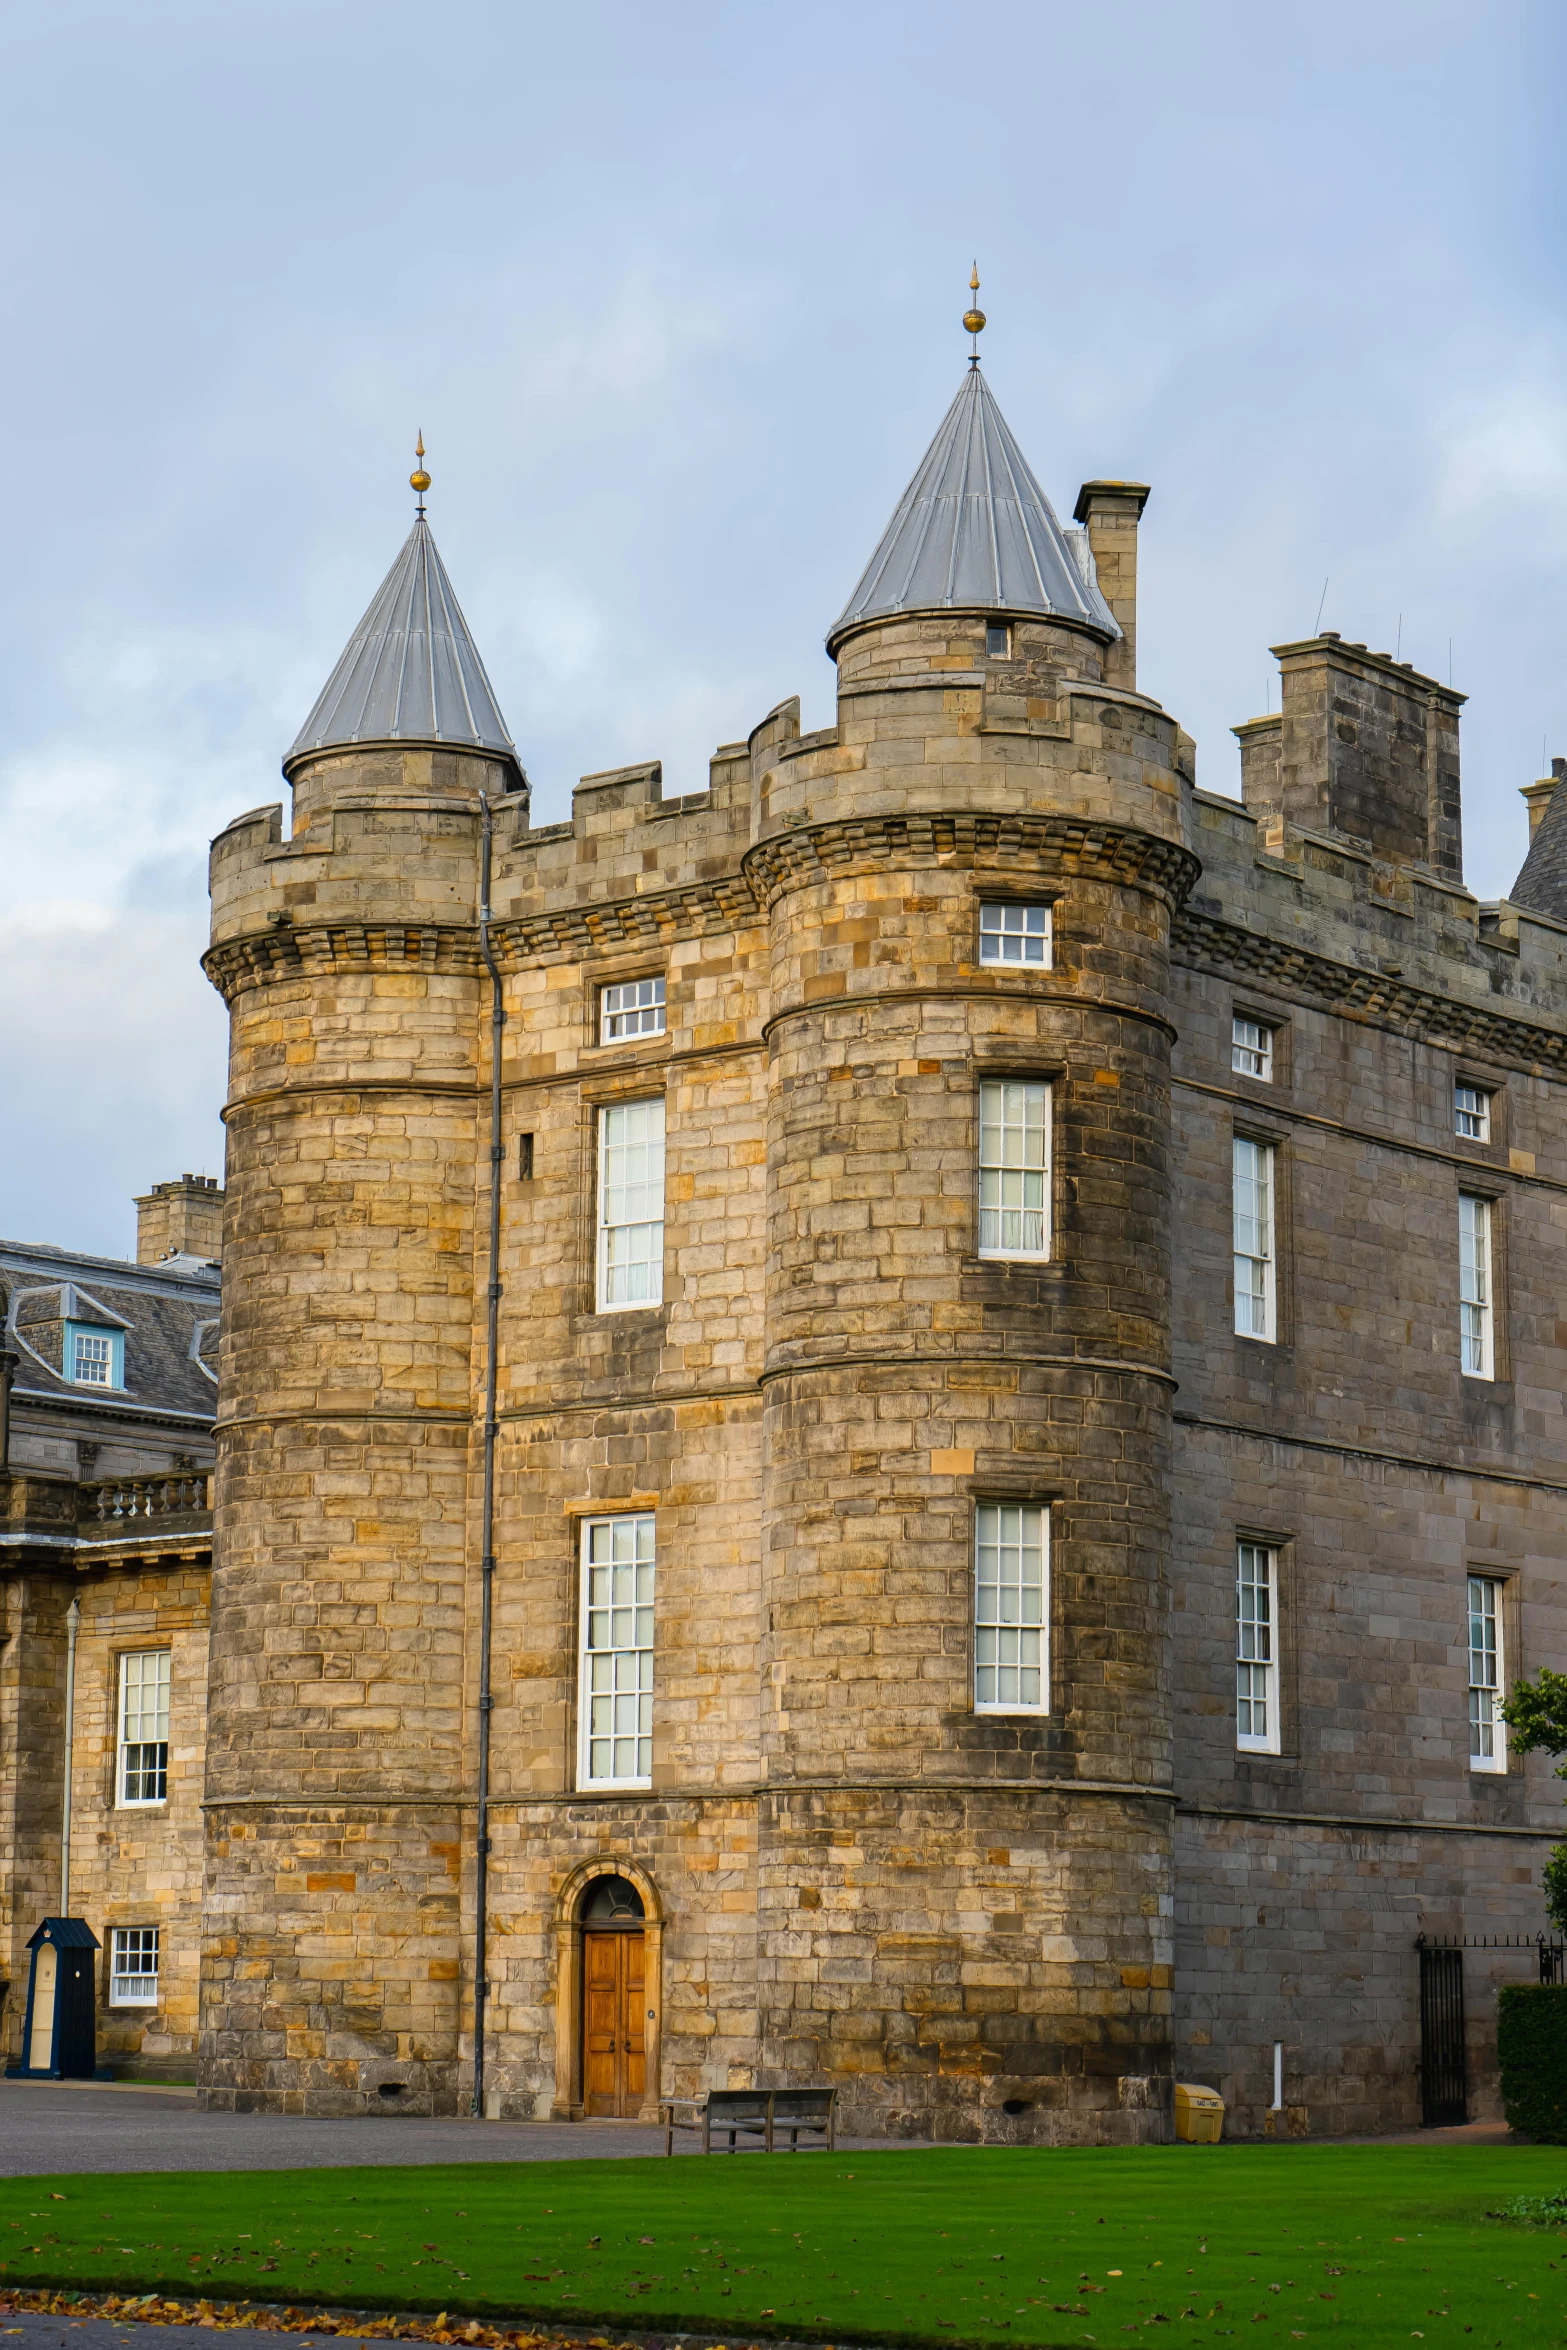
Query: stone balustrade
x=108 y=1501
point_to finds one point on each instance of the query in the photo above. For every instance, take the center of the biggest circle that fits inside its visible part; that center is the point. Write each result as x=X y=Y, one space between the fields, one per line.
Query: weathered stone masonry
x=977 y=1925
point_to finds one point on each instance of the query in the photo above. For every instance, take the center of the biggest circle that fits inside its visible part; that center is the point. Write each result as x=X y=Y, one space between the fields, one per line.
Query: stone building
x=108 y=1389
x=892 y=1422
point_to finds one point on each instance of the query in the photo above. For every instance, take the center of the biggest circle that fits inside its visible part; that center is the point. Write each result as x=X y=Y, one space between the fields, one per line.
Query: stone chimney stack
x=1367 y=748
x=183 y=1219
x=1110 y=512
x=1538 y=796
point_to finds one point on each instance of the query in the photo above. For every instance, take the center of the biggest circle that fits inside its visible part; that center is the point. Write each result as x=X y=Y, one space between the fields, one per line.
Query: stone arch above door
x=572 y=1897
x=572 y=1891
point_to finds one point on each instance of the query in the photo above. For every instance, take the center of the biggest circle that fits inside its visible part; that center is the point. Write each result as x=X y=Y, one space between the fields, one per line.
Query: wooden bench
x=810 y=2110
x=753 y=2113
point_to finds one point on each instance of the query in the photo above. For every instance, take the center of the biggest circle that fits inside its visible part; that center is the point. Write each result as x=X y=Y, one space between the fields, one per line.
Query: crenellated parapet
x=831 y=1380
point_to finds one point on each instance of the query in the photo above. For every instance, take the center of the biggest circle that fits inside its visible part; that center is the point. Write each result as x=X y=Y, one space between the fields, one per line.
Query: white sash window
x=1011 y=1608
x=631 y=1204
x=633 y=1007
x=615 y=1707
x=1256 y=1285
x=1256 y=1648
x=1251 y=1049
x=144 y=1726
x=1013 y=933
x=1014 y=1168
x=1476 y=1315
x=1487 y=1731
x=133 y=1967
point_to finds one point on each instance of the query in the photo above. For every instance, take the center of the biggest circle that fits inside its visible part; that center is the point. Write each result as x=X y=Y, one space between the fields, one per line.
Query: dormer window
x=94 y=1356
x=998 y=640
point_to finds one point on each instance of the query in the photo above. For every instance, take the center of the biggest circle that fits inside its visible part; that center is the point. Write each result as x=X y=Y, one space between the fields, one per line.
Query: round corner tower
x=904 y=1825
x=348 y=957
x=966 y=1518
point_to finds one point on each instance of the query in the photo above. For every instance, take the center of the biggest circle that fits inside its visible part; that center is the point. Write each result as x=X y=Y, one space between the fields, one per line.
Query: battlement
x=1309 y=909
x=391 y=834
x=929 y=722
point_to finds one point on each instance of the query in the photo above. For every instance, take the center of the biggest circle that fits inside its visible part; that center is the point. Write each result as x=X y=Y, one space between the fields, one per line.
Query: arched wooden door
x=614 y=2000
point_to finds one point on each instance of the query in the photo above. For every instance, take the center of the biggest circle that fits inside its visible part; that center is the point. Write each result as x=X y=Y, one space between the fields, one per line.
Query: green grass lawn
x=1361 y=2245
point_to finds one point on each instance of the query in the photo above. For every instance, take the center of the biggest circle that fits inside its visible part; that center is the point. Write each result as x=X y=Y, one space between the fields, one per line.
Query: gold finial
x=419 y=480
x=973 y=319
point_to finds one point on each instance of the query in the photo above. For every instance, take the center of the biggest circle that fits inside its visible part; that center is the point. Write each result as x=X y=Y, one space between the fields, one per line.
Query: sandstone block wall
x=131 y=1865
x=344 y=1586
x=1382 y=1475
x=979 y=1926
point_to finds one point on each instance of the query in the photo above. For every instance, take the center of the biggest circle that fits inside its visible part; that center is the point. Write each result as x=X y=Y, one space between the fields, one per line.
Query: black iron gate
x=1444 y=2077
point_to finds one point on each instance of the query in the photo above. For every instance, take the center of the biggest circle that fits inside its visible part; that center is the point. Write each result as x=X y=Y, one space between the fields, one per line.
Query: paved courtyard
x=63 y=2126
x=49 y=2126
x=59 y=2126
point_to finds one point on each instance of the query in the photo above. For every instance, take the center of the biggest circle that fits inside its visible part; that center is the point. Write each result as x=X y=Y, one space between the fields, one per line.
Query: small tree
x=1536 y=1714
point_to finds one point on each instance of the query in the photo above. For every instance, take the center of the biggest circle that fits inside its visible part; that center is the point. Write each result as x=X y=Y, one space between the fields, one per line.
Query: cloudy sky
x=674 y=294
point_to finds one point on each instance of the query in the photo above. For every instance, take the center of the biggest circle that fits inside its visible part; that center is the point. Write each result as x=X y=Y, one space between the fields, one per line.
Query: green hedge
x=1531 y=2041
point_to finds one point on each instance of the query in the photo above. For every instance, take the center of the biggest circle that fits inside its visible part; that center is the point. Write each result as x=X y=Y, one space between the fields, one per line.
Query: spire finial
x=419 y=480
x=973 y=318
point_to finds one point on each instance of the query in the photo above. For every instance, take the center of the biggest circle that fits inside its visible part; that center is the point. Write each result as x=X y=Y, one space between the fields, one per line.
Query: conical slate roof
x=1542 y=878
x=974 y=529
x=412 y=672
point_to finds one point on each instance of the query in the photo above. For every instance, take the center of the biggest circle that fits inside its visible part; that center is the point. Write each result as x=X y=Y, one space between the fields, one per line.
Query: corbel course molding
x=1054 y=847
x=1223 y=950
x=299 y=950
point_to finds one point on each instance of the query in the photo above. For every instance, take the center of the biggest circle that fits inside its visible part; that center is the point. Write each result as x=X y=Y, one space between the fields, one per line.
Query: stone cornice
x=652 y=918
x=1225 y=950
x=1053 y=847
x=295 y=950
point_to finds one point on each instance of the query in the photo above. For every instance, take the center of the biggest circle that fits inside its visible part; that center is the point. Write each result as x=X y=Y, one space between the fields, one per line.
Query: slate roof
x=411 y=672
x=1542 y=877
x=169 y=1320
x=975 y=530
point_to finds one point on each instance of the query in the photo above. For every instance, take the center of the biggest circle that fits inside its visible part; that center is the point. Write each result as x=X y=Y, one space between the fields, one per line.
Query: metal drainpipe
x=9 y=1364
x=481 y=1987
x=73 y=1618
